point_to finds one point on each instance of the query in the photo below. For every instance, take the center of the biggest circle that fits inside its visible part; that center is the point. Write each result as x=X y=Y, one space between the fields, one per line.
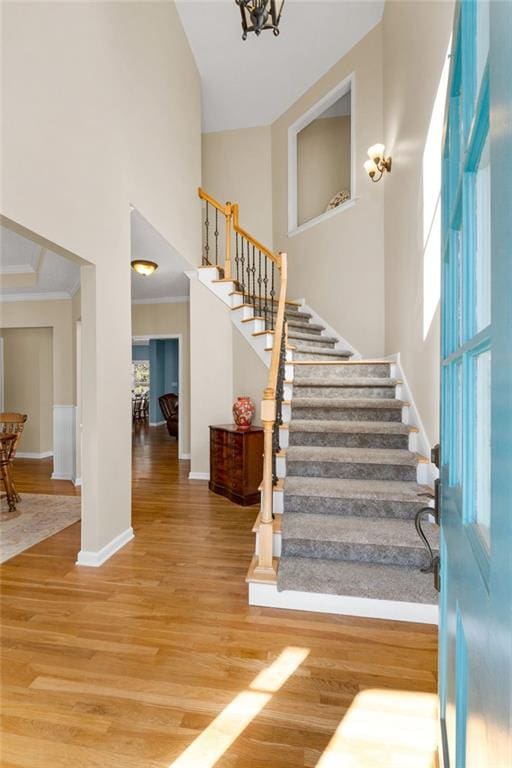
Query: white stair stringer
x=242 y=315
x=342 y=343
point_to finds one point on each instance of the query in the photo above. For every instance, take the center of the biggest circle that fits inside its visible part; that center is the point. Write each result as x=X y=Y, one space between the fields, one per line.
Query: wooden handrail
x=266 y=568
x=279 y=329
x=225 y=209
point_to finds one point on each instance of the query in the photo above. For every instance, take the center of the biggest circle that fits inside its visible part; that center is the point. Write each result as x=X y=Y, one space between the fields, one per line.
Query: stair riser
x=349 y=440
x=330 y=550
x=397 y=510
x=293 y=314
x=302 y=355
x=300 y=327
x=317 y=342
x=347 y=414
x=354 y=370
x=345 y=392
x=351 y=470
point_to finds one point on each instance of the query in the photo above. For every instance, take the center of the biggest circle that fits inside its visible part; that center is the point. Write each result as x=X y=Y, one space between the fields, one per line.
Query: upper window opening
x=320 y=158
x=323 y=161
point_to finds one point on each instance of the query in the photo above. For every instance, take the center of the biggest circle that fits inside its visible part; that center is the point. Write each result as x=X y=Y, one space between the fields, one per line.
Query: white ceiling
x=28 y=271
x=169 y=281
x=252 y=82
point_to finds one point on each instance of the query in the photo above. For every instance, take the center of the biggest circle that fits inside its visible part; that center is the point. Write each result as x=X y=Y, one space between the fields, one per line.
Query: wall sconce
x=377 y=163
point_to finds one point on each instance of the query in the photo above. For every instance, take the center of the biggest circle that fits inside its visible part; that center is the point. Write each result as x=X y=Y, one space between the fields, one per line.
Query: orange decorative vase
x=243 y=413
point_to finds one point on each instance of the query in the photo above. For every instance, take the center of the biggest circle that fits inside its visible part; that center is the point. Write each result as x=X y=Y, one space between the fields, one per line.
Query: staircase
x=348 y=487
x=342 y=478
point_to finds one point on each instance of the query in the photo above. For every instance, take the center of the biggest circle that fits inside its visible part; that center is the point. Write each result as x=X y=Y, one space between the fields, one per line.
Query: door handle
x=434 y=563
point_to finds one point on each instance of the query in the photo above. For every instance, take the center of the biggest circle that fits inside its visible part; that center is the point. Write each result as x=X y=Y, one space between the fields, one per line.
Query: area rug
x=37 y=516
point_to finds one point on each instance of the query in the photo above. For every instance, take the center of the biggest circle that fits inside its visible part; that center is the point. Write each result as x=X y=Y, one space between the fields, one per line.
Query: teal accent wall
x=164 y=373
x=140 y=352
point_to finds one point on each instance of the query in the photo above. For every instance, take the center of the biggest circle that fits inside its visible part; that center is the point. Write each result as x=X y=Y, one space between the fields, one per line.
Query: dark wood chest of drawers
x=236 y=463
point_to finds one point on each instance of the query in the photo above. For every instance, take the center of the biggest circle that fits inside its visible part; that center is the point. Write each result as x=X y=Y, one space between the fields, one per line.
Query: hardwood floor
x=127 y=665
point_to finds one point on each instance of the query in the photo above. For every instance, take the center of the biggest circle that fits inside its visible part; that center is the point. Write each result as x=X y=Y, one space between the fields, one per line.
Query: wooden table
x=6 y=446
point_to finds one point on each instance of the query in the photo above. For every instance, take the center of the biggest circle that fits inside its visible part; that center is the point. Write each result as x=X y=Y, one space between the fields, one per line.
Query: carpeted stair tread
x=316 y=381
x=302 y=336
x=338 y=369
x=350 y=455
x=375 y=490
x=289 y=312
x=356 y=530
x=297 y=322
x=332 y=402
x=350 y=427
x=369 y=580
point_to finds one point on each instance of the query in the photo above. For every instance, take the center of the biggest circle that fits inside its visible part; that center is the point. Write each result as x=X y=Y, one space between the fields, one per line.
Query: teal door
x=475 y=669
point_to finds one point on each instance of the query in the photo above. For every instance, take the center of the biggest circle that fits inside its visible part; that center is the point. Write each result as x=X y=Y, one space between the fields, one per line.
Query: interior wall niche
x=320 y=158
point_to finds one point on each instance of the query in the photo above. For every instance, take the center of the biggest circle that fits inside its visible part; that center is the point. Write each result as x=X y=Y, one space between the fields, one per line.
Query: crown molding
x=49 y=296
x=163 y=300
x=17 y=269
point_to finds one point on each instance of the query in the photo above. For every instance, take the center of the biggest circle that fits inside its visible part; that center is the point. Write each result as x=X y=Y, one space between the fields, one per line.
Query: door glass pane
x=482 y=39
x=459 y=287
x=483 y=240
x=458 y=432
x=482 y=443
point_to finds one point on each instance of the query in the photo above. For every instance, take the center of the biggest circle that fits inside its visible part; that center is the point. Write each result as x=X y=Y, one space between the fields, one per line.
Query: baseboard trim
x=95 y=559
x=77 y=481
x=156 y=423
x=342 y=605
x=61 y=476
x=32 y=455
x=198 y=475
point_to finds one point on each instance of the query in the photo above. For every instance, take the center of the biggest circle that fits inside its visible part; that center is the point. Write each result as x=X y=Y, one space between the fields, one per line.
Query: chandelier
x=258 y=15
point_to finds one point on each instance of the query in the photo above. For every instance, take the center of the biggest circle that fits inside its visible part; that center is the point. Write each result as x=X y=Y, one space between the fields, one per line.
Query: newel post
x=265 y=532
x=227 y=261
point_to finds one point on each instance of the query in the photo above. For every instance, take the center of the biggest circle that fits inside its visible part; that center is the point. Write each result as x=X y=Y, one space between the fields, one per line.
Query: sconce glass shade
x=370 y=168
x=376 y=152
x=144 y=268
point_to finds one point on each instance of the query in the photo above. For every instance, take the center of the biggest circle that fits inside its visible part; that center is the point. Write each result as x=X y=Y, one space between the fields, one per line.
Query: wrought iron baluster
x=272 y=296
x=237 y=258
x=265 y=283
x=253 y=271
x=248 y=273
x=206 y=258
x=242 y=270
x=259 y=283
x=216 y=233
x=276 y=442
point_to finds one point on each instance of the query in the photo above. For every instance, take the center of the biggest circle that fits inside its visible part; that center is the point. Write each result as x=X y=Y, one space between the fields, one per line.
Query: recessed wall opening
x=41 y=386
x=320 y=154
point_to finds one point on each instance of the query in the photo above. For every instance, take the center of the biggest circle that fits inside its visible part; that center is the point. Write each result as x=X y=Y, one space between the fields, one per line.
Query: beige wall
x=237 y=167
x=159 y=320
x=56 y=315
x=250 y=374
x=28 y=384
x=101 y=108
x=338 y=264
x=211 y=370
x=323 y=164
x=416 y=36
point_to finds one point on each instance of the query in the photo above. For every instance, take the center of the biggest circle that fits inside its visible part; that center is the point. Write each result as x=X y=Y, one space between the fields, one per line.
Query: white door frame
x=163 y=337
